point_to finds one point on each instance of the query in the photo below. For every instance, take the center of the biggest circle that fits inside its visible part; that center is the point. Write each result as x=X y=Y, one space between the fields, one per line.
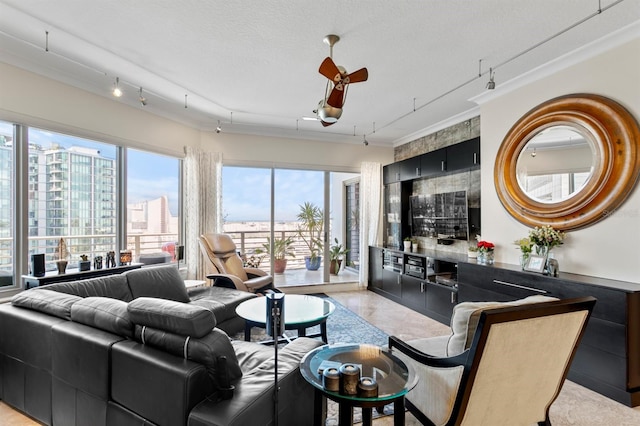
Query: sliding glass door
x=286 y=221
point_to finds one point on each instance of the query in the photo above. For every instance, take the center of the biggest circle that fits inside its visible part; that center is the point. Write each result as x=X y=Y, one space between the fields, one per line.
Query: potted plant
x=414 y=244
x=336 y=254
x=472 y=252
x=85 y=263
x=407 y=244
x=310 y=229
x=282 y=247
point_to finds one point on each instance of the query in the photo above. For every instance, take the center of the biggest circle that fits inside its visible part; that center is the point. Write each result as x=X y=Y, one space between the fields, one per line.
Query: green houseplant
x=336 y=254
x=310 y=229
x=282 y=247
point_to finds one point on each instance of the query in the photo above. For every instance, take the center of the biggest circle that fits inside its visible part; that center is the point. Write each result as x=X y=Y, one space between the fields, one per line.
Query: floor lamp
x=275 y=328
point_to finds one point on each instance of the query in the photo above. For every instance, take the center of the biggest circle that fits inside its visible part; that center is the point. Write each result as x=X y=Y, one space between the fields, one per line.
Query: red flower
x=485 y=245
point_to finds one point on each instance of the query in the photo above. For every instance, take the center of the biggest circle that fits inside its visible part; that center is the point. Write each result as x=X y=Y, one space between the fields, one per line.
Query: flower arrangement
x=545 y=238
x=485 y=246
x=525 y=245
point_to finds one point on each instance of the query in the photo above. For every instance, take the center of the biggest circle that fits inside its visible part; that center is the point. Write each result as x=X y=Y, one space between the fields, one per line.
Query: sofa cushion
x=46 y=301
x=226 y=300
x=179 y=318
x=466 y=315
x=206 y=350
x=113 y=286
x=163 y=282
x=104 y=313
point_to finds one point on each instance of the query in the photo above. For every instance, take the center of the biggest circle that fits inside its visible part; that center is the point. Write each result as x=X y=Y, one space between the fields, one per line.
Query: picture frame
x=535 y=263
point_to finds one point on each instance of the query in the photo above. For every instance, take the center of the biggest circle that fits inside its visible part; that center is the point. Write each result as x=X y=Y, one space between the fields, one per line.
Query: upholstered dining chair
x=225 y=267
x=510 y=374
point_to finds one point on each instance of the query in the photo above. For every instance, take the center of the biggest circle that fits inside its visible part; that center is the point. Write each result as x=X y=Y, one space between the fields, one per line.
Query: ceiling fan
x=330 y=107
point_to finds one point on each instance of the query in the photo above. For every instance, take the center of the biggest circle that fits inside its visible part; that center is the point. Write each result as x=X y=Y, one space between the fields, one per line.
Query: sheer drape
x=202 y=193
x=370 y=210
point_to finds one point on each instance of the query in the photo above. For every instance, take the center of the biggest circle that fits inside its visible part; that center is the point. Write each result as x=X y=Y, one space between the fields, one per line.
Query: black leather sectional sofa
x=138 y=349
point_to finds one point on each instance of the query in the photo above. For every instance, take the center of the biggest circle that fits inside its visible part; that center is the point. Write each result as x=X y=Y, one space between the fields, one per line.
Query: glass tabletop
x=393 y=376
x=298 y=309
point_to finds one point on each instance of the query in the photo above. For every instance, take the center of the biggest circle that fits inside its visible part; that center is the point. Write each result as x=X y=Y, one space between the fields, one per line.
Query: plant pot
x=472 y=254
x=334 y=266
x=84 y=265
x=407 y=245
x=414 y=247
x=312 y=263
x=279 y=265
x=62 y=266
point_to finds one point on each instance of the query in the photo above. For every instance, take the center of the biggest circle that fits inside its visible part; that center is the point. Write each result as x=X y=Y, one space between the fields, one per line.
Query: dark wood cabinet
x=463 y=155
x=410 y=168
x=608 y=358
x=391 y=173
x=434 y=162
x=423 y=295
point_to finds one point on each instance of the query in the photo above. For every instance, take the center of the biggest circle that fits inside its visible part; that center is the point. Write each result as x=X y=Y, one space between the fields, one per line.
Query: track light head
x=491 y=84
x=365 y=142
x=143 y=100
x=116 y=88
x=218 y=129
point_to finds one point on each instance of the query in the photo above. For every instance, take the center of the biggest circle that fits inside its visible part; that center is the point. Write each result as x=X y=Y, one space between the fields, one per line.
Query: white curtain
x=202 y=194
x=370 y=211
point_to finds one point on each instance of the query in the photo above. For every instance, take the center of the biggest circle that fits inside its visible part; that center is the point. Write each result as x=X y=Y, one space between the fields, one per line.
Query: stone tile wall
x=464 y=181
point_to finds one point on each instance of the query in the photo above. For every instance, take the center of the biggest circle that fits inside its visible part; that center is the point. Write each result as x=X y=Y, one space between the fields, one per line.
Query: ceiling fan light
x=327 y=113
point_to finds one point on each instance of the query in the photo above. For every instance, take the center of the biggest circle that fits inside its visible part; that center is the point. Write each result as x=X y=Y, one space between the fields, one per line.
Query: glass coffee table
x=393 y=376
x=300 y=313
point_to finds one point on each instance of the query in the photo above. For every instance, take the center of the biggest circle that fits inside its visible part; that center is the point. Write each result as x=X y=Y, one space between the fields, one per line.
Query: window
x=153 y=194
x=72 y=192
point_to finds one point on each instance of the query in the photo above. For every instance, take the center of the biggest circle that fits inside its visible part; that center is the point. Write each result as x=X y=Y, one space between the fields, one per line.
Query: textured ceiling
x=253 y=65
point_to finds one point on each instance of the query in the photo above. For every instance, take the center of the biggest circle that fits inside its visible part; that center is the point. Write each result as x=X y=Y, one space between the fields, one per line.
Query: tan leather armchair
x=225 y=267
x=506 y=367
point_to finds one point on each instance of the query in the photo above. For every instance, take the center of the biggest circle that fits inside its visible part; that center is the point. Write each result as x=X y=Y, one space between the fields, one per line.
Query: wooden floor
x=576 y=406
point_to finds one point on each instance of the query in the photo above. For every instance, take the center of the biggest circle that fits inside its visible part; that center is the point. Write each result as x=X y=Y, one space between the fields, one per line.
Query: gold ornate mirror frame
x=615 y=136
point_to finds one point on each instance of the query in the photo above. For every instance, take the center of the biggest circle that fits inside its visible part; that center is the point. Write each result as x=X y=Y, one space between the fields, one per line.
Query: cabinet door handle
x=397 y=175
x=475 y=158
x=520 y=286
x=399 y=280
x=421 y=287
x=442 y=165
x=417 y=171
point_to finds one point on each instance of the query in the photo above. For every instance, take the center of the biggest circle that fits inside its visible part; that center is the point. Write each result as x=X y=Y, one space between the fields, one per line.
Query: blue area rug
x=343 y=326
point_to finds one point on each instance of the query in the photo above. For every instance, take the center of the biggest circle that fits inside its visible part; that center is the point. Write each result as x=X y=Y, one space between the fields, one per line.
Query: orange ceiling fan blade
x=336 y=98
x=330 y=70
x=357 y=76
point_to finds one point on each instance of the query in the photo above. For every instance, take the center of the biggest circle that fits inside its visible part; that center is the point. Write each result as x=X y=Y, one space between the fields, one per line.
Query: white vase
x=414 y=247
x=407 y=245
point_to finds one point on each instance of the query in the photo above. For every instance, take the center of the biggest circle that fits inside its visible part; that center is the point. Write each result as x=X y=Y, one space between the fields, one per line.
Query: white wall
x=610 y=247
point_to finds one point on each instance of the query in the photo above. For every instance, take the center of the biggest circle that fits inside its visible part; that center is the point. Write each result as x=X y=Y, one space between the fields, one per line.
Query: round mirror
x=568 y=162
x=555 y=164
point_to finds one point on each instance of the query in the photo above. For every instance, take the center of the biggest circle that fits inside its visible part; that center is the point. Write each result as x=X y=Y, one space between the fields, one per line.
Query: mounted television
x=443 y=215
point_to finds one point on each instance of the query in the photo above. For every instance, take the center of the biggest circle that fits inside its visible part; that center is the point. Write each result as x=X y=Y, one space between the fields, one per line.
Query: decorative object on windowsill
x=62 y=266
x=311 y=230
x=349 y=378
x=485 y=252
x=526 y=247
x=97 y=262
x=125 y=257
x=111 y=259
x=85 y=263
x=336 y=255
x=62 y=253
x=407 y=244
x=546 y=238
x=472 y=252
